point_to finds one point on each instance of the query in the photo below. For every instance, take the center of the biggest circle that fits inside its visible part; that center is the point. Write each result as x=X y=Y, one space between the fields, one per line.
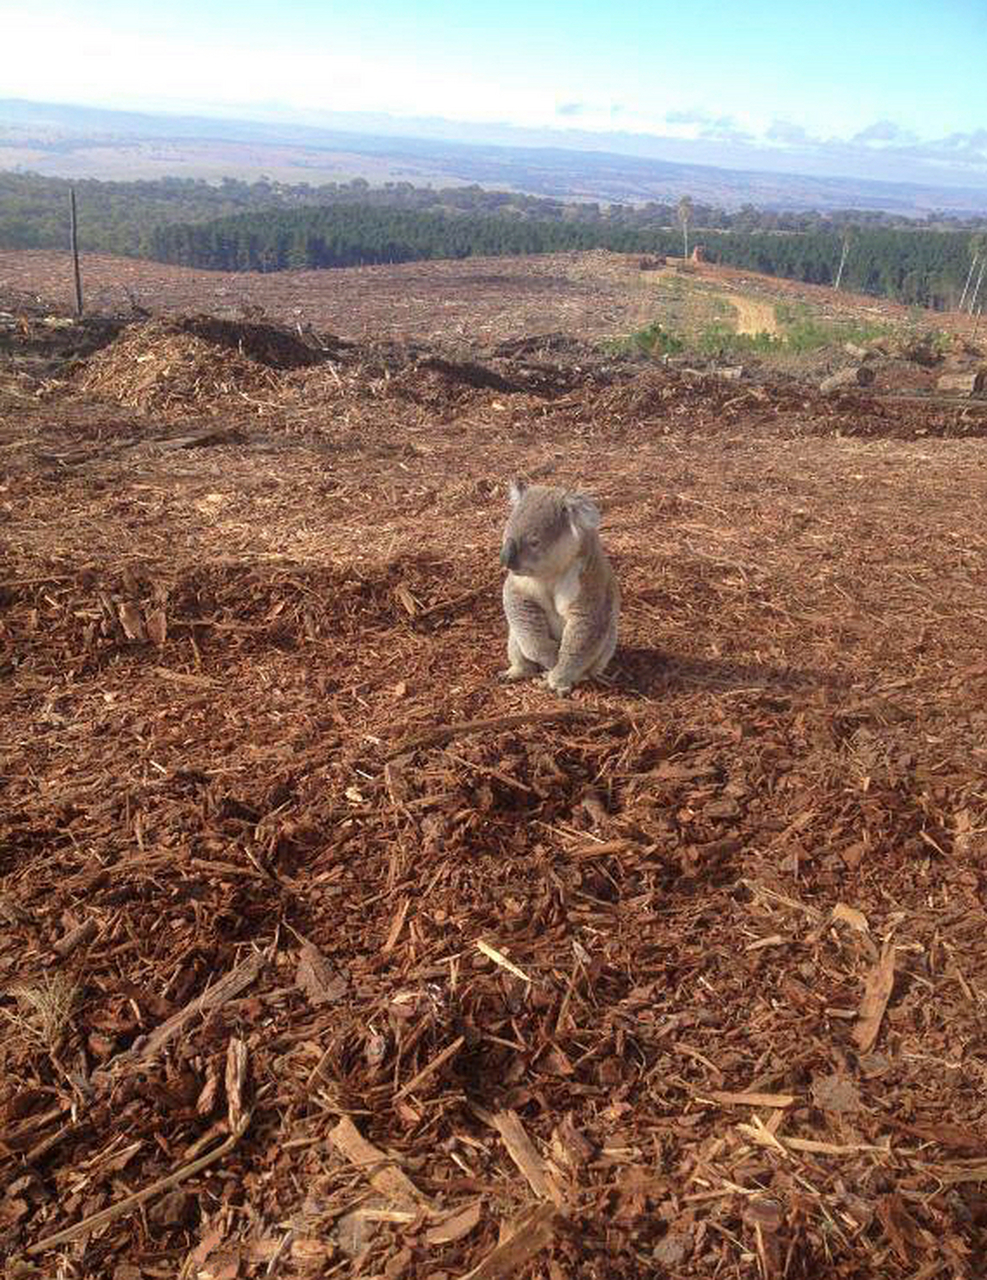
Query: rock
x=921 y=351
x=835 y=1093
x=858 y=352
x=963 y=384
x=859 y=376
x=673 y=1249
x=733 y=373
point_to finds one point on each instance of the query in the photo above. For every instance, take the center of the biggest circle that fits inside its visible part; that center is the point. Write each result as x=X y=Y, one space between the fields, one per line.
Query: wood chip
x=877 y=993
x=522 y=1151
x=851 y=916
x=754 y=1099
x=530 y=1233
x=500 y=959
x=455 y=1227
x=381 y=1171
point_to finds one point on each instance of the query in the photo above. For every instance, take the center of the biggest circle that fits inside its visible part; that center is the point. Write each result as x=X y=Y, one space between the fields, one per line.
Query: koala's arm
x=586 y=630
x=529 y=627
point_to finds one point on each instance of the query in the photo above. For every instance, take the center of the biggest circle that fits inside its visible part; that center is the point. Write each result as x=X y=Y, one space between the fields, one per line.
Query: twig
x=439 y=1060
x=37 y=582
x=452 y=604
x=230 y=985
x=124 y=1206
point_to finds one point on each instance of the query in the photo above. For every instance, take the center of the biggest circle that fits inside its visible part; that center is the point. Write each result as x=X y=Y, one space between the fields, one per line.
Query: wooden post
x=976 y=288
x=969 y=277
x=685 y=217
x=839 y=274
x=75 y=254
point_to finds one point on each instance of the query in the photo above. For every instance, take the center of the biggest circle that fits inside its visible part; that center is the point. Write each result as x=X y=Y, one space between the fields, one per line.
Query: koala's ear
x=583 y=513
x=515 y=491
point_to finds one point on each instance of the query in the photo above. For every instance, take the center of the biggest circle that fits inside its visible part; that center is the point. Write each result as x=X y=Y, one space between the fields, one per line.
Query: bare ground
x=484 y=299
x=588 y=295
x=353 y=961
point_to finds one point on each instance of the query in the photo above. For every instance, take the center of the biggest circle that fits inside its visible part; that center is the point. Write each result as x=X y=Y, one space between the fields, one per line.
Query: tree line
x=122 y=217
x=362 y=235
x=920 y=267
x=267 y=226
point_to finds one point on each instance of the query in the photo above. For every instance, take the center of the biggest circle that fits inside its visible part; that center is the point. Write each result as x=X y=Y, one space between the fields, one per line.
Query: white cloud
x=85 y=63
x=883 y=131
x=95 y=62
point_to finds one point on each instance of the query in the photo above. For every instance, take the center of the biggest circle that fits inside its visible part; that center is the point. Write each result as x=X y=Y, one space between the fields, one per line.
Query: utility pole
x=75 y=254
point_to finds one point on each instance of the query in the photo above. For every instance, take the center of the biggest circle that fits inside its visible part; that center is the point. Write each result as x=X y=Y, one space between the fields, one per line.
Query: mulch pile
x=197 y=366
x=324 y=954
x=174 y=368
x=268 y=344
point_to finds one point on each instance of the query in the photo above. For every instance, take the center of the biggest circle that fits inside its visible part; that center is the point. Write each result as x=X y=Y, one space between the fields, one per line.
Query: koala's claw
x=563 y=690
x=512 y=674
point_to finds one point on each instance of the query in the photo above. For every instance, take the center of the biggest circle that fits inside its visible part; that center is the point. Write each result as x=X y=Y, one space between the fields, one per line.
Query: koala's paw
x=558 y=686
x=513 y=674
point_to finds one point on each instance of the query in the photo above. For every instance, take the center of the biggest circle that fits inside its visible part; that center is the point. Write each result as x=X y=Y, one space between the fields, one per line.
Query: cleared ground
x=588 y=295
x=683 y=977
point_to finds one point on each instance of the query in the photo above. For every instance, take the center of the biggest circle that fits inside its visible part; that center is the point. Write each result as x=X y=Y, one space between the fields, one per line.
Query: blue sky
x=904 y=82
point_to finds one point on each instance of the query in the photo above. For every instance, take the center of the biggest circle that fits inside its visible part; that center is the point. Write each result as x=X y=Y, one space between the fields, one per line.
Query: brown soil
x=440 y=977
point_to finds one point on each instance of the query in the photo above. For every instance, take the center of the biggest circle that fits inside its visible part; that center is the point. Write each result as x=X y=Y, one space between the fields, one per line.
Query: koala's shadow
x=651 y=672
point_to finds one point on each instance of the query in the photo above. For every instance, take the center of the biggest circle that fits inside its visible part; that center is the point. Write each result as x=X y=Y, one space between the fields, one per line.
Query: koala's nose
x=508 y=554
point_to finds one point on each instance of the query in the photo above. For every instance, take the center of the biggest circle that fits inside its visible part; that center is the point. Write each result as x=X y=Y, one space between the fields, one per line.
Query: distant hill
x=77 y=142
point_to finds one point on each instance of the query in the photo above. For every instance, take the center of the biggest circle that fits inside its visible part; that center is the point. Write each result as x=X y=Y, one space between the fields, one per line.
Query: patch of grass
x=937 y=340
x=44 y=1009
x=653 y=340
x=719 y=340
x=802 y=330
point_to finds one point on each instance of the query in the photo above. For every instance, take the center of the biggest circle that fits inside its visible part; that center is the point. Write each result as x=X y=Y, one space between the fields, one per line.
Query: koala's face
x=544 y=530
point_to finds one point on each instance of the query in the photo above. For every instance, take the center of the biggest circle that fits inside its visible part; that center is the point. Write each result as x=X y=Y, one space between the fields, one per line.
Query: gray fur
x=561 y=598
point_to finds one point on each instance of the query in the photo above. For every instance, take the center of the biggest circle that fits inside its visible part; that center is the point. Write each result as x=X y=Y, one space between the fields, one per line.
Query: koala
x=561 y=598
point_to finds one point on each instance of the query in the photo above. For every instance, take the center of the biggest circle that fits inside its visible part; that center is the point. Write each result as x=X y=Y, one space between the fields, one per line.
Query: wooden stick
x=124 y=1206
x=448 y=1052
x=524 y=1154
x=73 y=227
x=380 y=1169
x=230 y=985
